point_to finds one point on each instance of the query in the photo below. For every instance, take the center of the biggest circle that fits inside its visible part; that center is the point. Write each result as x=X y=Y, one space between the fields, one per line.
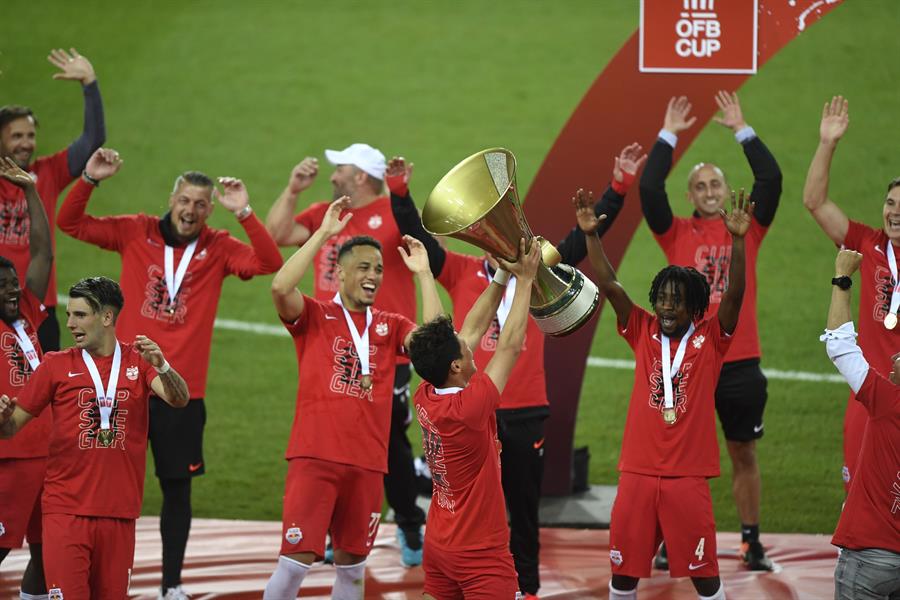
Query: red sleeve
x=312 y=217
x=857 y=233
x=41 y=388
x=721 y=337
x=298 y=326
x=59 y=172
x=110 y=233
x=632 y=332
x=261 y=257
x=878 y=395
x=455 y=267
x=32 y=308
x=404 y=327
x=478 y=401
x=757 y=231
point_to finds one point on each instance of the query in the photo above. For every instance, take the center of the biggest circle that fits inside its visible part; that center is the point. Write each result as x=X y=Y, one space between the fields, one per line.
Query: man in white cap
x=359 y=174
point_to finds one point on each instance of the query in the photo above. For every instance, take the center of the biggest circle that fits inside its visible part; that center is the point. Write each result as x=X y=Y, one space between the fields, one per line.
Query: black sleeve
x=766 y=180
x=93 y=134
x=654 y=201
x=410 y=223
x=574 y=247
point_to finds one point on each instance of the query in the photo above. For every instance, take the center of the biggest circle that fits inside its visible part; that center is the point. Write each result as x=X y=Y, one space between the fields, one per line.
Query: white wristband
x=243 y=213
x=164 y=368
x=501 y=277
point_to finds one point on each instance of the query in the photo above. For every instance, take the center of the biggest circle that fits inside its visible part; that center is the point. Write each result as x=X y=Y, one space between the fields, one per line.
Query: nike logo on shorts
x=538 y=444
x=194 y=468
x=71 y=374
x=757 y=428
x=693 y=567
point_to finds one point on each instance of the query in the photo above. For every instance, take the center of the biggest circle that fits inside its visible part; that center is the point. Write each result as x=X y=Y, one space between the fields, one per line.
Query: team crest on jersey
x=201 y=255
x=698 y=340
x=131 y=373
x=615 y=556
x=293 y=535
x=55 y=594
x=375 y=221
x=381 y=329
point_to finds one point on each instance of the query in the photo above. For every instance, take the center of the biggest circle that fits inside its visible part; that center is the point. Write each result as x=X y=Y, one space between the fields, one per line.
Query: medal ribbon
x=105 y=401
x=174 y=279
x=26 y=345
x=670 y=367
x=360 y=342
x=506 y=301
x=892 y=264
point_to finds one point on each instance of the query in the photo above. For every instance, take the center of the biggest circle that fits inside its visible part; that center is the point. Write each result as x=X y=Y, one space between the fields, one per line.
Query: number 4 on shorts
x=699 y=551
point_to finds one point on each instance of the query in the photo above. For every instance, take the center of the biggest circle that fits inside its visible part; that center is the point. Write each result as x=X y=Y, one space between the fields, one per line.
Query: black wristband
x=842 y=282
x=89 y=179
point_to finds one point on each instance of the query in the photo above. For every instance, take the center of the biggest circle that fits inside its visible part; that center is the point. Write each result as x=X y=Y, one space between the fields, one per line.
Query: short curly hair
x=433 y=347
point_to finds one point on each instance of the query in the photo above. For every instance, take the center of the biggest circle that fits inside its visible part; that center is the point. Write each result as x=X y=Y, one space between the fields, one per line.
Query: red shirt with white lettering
x=459 y=436
x=705 y=244
x=871 y=515
x=335 y=418
x=84 y=478
x=31 y=441
x=183 y=329
x=689 y=447
x=52 y=176
x=465 y=278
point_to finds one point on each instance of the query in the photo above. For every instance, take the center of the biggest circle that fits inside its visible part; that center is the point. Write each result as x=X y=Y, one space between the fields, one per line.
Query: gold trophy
x=477 y=202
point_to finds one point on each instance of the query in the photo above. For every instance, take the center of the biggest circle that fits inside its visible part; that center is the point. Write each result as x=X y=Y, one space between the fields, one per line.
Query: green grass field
x=248 y=89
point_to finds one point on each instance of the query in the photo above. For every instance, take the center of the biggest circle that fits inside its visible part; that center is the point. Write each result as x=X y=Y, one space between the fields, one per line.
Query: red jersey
x=689 y=447
x=465 y=278
x=397 y=293
x=183 y=329
x=52 y=176
x=335 y=418
x=32 y=441
x=459 y=436
x=871 y=515
x=84 y=478
x=705 y=244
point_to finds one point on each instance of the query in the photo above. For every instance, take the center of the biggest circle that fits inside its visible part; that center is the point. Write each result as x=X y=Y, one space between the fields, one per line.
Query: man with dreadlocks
x=669 y=449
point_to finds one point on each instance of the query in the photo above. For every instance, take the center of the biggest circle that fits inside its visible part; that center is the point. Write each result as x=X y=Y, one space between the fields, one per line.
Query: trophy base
x=572 y=309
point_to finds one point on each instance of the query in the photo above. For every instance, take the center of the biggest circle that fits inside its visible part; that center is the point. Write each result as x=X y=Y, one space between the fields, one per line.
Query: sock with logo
x=615 y=594
x=749 y=533
x=174 y=528
x=285 y=581
x=720 y=595
x=350 y=582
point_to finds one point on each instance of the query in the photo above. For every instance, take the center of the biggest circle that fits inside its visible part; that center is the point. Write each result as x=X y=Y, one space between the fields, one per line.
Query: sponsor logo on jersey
x=615 y=556
x=293 y=535
x=131 y=373
x=375 y=221
x=381 y=329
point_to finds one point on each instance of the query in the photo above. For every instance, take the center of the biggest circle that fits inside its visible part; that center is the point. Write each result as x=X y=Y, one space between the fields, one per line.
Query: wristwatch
x=842 y=282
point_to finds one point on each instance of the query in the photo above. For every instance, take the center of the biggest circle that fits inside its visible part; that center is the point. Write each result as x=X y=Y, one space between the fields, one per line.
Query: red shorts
x=650 y=509
x=322 y=496
x=855 y=418
x=471 y=574
x=88 y=557
x=21 y=483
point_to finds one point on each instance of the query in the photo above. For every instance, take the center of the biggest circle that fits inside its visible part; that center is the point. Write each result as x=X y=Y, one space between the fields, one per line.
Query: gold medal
x=890 y=321
x=105 y=437
x=366 y=382
x=669 y=416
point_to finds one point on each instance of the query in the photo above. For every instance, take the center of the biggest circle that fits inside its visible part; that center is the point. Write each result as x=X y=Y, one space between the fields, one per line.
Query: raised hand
x=628 y=162
x=234 y=197
x=72 y=66
x=333 y=223
x=677 y=115
x=303 y=175
x=529 y=259
x=835 y=119
x=847 y=262
x=103 y=163
x=7 y=406
x=149 y=350
x=732 y=117
x=738 y=221
x=587 y=220
x=397 y=175
x=14 y=174
x=416 y=258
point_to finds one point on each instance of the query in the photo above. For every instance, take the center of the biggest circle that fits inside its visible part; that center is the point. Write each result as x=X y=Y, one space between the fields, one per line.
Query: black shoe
x=754 y=557
x=661 y=561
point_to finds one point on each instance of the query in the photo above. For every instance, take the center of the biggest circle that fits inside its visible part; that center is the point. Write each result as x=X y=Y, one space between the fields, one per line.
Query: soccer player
x=669 y=449
x=879 y=336
x=523 y=403
x=24 y=459
x=467 y=548
x=18 y=135
x=172 y=272
x=702 y=241
x=868 y=532
x=346 y=352
x=98 y=393
x=359 y=174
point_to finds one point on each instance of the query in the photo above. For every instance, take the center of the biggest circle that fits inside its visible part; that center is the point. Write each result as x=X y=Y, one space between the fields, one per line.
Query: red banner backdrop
x=624 y=105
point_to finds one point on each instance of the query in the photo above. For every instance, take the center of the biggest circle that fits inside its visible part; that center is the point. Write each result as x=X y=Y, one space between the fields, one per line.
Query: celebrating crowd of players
x=80 y=419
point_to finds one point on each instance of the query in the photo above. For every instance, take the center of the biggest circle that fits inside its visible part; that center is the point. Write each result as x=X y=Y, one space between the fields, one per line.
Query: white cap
x=361 y=156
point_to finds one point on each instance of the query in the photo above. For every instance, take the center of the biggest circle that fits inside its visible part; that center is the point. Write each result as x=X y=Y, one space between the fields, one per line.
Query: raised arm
x=513 y=335
x=262 y=256
x=75 y=67
x=12 y=417
x=606 y=276
x=407 y=216
x=38 y=274
x=287 y=298
x=416 y=259
x=72 y=218
x=654 y=200
x=840 y=337
x=738 y=223
x=280 y=220
x=766 y=173
x=168 y=384
x=832 y=220
x=482 y=313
